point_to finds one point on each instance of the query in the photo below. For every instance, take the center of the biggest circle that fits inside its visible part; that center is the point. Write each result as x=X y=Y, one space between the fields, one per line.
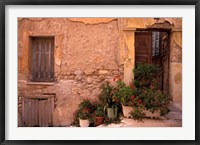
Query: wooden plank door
x=143 y=47
x=46 y=112
x=37 y=112
x=30 y=115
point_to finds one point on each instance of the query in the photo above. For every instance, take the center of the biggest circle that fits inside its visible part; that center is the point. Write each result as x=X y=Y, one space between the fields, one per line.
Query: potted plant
x=85 y=109
x=147 y=83
x=156 y=103
x=127 y=96
x=106 y=97
x=99 y=115
x=137 y=114
x=84 y=119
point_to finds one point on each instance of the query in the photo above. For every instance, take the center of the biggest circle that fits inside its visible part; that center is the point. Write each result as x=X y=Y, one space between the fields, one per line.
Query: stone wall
x=85 y=57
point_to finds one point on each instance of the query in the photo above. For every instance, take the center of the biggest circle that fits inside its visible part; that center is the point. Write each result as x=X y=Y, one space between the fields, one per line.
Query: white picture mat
x=186 y=132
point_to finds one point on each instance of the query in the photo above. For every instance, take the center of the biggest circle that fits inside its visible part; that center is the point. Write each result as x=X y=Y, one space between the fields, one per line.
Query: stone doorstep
x=175 y=106
x=175 y=111
x=174 y=115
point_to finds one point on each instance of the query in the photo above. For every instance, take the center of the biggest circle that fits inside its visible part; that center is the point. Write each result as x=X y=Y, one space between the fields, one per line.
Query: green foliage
x=127 y=94
x=106 y=96
x=99 y=111
x=147 y=83
x=84 y=115
x=137 y=114
x=146 y=75
x=86 y=104
x=84 y=111
x=124 y=93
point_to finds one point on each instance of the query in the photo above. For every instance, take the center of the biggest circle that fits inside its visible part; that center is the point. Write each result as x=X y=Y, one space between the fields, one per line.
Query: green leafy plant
x=86 y=105
x=84 y=111
x=128 y=95
x=146 y=75
x=147 y=83
x=137 y=114
x=155 y=100
x=99 y=112
x=106 y=96
x=84 y=115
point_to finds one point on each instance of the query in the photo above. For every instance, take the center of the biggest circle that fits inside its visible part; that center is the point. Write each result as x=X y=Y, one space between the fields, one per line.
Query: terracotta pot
x=98 y=120
x=84 y=123
x=127 y=110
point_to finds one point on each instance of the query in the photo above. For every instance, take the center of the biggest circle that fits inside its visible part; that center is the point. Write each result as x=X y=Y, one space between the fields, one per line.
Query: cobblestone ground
x=173 y=119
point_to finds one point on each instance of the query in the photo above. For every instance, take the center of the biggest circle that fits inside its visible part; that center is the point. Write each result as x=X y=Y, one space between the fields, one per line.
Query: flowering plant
x=85 y=109
x=106 y=96
x=86 y=106
x=155 y=100
x=99 y=111
x=147 y=83
x=137 y=114
x=128 y=95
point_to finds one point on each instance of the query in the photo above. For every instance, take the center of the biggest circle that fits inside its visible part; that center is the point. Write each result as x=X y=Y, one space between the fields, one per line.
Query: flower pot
x=127 y=110
x=84 y=123
x=112 y=113
x=156 y=114
x=99 y=120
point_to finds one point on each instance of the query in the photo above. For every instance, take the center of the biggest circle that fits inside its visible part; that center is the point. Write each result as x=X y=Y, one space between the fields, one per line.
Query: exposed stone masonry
x=87 y=53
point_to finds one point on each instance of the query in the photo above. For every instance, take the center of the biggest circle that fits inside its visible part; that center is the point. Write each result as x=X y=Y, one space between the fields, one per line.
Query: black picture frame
x=4 y=3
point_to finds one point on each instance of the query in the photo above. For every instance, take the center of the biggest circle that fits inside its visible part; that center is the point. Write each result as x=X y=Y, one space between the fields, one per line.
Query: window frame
x=30 y=60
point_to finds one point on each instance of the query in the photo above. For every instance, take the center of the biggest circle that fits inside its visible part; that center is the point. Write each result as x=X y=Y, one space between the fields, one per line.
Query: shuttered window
x=155 y=43
x=42 y=59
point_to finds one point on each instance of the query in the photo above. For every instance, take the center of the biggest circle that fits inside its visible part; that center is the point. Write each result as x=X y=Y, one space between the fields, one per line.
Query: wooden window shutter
x=143 y=47
x=42 y=61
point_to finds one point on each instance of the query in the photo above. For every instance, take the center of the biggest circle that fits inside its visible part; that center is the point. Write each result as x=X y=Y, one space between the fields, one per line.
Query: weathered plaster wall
x=85 y=57
x=175 y=78
x=89 y=52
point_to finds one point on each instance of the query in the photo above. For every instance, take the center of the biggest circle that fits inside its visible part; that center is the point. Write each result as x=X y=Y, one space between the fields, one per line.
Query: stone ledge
x=41 y=83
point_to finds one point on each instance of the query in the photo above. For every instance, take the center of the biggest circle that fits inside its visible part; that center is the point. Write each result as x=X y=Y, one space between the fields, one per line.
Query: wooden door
x=30 y=112
x=37 y=112
x=165 y=60
x=152 y=47
x=143 y=47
